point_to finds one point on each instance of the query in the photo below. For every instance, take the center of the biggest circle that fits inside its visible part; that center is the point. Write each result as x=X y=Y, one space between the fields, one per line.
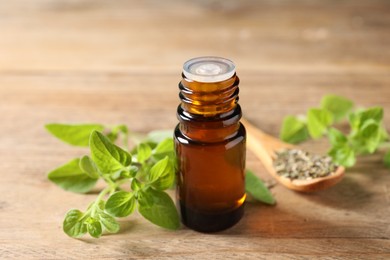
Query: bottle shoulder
x=204 y=138
x=219 y=120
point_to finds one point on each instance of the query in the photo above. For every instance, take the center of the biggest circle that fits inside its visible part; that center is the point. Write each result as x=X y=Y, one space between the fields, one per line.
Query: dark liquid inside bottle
x=210 y=146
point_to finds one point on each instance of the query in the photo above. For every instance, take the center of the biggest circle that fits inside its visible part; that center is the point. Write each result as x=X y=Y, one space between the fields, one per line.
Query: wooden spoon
x=264 y=147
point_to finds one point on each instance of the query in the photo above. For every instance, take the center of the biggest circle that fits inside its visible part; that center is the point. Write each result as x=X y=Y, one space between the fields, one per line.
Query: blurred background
x=288 y=53
x=158 y=36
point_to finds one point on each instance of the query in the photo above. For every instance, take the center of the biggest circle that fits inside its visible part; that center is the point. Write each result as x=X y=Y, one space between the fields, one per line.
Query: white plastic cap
x=209 y=69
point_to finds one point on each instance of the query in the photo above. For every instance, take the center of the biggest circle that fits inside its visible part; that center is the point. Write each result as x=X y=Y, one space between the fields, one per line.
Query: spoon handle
x=255 y=143
x=262 y=144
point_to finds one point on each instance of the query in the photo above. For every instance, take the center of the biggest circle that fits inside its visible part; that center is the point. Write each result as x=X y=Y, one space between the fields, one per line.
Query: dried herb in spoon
x=297 y=164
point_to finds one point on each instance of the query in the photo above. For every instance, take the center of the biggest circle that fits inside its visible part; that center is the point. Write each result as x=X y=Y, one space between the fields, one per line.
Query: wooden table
x=120 y=62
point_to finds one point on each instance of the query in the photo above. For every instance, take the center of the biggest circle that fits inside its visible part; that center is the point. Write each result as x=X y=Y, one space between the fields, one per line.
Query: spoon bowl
x=264 y=147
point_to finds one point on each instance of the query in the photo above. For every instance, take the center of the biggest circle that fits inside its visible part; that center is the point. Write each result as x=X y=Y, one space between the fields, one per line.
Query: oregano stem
x=103 y=193
x=108 y=180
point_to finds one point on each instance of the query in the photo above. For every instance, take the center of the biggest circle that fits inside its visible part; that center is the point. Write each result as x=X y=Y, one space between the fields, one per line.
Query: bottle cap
x=209 y=69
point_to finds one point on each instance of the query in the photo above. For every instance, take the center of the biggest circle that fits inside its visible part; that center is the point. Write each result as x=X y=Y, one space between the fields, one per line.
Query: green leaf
x=357 y=119
x=108 y=222
x=121 y=129
x=145 y=198
x=255 y=187
x=162 y=174
x=73 y=225
x=340 y=107
x=136 y=185
x=152 y=145
x=318 y=121
x=101 y=205
x=133 y=170
x=293 y=130
x=115 y=131
x=126 y=173
x=94 y=227
x=159 y=135
x=354 y=121
x=343 y=155
x=375 y=113
x=368 y=137
x=166 y=181
x=158 y=208
x=108 y=157
x=70 y=177
x=120 y=204
x=336 y=137
x=77 y=135
x=164 y=147
x=89 y=167
x=386 y=159
x=384 y=134
x=367 y=131
x=143 y=152
x=161 y=168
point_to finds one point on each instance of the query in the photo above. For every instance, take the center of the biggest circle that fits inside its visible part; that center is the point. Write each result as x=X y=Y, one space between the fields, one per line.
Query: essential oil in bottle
x=210 y=146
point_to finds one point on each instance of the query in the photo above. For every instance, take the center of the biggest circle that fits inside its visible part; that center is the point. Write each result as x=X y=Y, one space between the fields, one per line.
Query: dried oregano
x=296 y=164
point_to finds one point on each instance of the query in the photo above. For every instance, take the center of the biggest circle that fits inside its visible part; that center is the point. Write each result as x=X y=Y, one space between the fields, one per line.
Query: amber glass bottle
x=210 y=146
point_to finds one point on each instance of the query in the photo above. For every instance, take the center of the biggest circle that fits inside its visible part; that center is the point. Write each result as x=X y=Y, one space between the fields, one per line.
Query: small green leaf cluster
x=367 y=133
x=135 y=180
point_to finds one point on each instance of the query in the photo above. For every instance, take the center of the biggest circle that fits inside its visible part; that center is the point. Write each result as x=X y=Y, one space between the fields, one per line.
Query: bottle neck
x=209 y=99
x=209 y=111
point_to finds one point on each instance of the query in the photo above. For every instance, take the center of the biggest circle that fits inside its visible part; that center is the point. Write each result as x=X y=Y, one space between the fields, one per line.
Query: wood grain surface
x=120 y=62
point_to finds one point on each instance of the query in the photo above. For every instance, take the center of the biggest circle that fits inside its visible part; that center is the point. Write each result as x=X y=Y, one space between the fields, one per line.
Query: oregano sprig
x=366 y=135
x=136 y=179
